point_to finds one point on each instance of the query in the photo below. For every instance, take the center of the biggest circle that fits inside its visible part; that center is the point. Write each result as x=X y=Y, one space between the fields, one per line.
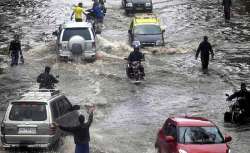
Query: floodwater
x=128 y=116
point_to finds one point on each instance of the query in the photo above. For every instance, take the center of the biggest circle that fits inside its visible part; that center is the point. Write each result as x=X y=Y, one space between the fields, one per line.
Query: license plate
x=139 y=8
x=27 y=130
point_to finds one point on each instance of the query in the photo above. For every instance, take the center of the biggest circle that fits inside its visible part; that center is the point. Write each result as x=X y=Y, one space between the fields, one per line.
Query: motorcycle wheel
x=227 y=117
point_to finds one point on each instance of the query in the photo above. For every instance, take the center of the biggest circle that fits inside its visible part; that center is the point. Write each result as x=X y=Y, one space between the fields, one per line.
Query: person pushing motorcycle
x=244 y=94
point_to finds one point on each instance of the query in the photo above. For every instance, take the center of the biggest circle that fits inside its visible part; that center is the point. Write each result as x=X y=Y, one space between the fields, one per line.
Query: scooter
x=133 y=72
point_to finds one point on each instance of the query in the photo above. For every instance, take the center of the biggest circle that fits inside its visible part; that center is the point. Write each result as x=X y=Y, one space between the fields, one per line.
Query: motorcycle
x=236 y=114
x=96 y=23
x=133 y=71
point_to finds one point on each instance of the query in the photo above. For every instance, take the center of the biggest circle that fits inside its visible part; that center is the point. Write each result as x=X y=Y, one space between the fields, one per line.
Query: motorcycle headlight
x=158 y=42
x=229 y=151
x=129 y=5
x=182 y=151
x=148 y=4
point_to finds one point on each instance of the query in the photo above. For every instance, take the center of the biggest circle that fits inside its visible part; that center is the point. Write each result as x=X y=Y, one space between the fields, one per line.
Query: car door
x=170 y=130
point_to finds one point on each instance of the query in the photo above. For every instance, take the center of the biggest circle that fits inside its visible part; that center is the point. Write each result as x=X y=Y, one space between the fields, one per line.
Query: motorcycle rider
x=78 y=11
x=46 y=79
x=136 y=55
x=244 y=94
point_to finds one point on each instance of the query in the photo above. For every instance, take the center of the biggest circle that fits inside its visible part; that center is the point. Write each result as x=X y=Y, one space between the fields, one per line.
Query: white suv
x=29 y=121
x=76 y=39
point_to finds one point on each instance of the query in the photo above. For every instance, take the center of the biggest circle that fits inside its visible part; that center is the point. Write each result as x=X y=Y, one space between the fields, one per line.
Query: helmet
x=136 y=44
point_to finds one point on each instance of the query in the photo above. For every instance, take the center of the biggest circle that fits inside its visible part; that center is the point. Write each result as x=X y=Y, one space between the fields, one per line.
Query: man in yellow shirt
x=78 y=11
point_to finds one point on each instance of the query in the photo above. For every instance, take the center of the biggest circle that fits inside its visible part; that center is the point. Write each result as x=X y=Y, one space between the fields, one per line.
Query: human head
x=81 y=119
x=243 y=86
x=205 y=38
x=16 y=37
x=80 y=4
x=47 y=69
x=136 y=45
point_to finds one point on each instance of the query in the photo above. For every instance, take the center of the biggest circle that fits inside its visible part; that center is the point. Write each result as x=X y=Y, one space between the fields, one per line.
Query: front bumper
x=33 y=141
x=139 y=7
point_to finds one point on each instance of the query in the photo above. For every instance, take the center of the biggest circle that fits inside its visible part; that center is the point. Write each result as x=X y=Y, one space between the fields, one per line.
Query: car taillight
x=52 y=129
x=3 y=128
x=93 y=45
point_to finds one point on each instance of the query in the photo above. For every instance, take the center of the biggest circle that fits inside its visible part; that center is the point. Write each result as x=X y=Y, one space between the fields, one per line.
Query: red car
x=191 y=135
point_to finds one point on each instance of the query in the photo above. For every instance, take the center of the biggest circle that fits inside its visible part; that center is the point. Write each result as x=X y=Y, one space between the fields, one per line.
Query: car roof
x=72 y=24
x=146 y=19
x=191 y=121
x=38 y=96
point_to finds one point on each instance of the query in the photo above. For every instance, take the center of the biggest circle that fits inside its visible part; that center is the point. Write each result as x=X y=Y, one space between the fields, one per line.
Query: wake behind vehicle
x=236 y=113
x=191 y=135
x=147 y=30
x=28 y=122
x=132 y=6
x=76 y=40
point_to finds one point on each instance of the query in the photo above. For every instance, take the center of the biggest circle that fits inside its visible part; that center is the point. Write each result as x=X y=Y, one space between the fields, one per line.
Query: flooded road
x=128 y=116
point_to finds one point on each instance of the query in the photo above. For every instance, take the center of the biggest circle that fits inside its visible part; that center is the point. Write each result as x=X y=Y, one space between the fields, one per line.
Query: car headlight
x=182 y=151
x=158 y=42
x=129 y=5
x=148 y=4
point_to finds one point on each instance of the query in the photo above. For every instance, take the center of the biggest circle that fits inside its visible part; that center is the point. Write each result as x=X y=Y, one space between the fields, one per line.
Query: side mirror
x=55 y=33
x=75 y=107
x=163 y=30
x=170 y=139
x=228 y=139
x=227 y=95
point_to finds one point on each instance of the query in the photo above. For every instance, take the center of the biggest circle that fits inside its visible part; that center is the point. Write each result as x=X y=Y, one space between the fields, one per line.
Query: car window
x=68 y=33
x=67 y=104
x=200 y=135
x=23 y=111
x=147 y=30
x=170 y=130
x=54 y=109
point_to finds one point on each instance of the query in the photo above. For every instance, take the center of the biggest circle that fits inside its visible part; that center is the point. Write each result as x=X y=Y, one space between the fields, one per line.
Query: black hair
x=81 y=119
x=47 y=69
x=205 y=38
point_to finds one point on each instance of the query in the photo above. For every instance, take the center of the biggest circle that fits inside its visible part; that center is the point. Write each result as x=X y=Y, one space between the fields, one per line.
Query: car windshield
x=68 y=33
x=200 y=135
x=21 y=111
x=147 y=30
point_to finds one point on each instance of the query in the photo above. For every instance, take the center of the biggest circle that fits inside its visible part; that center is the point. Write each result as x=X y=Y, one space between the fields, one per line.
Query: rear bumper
x=89 y=55
x=40 y=141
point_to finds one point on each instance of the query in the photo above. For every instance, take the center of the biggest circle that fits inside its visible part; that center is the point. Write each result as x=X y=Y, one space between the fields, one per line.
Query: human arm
x=72 y=15
x=53 y=79
x=39 y=78
x=198 y=52
x=236 y=94
x=211 y=51
x=91 y=114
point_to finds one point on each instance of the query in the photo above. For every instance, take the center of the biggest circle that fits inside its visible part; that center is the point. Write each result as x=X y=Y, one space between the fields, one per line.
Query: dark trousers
x=227 y=13
x=82 y=148
x=204 y=62
x=78 y=20
x=14 y=59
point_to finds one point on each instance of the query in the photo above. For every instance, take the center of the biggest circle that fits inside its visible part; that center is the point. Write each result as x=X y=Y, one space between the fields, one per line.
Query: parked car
x=76 y=39
x=146 y=29
x=132 y=6
x=29 y=121
x=191 y=135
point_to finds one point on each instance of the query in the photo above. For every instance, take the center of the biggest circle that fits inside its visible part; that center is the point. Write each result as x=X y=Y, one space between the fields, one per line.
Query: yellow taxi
x=146 y=29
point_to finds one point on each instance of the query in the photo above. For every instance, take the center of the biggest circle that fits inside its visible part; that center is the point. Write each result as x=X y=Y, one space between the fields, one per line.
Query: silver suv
x=76 y=39
x=29 y=121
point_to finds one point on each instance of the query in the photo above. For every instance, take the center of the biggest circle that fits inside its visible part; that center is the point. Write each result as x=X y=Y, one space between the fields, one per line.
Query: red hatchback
x=191 y=135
